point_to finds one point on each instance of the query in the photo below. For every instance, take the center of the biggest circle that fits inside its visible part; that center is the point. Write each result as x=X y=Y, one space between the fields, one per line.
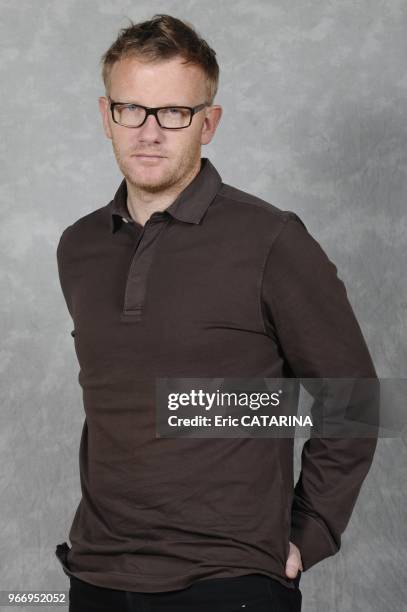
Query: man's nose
x=150 y=130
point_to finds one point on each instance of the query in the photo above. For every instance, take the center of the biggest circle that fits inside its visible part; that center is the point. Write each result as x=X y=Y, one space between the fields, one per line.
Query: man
x=182 y=275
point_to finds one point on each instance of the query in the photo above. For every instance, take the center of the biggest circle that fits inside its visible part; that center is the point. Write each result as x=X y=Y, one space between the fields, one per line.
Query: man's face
x=163 y=83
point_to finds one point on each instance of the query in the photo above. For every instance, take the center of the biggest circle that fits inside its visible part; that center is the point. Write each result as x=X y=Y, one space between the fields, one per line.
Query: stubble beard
x=166 y=181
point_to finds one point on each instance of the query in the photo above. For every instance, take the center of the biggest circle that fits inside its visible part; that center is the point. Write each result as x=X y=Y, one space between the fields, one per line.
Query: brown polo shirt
x=220 y=284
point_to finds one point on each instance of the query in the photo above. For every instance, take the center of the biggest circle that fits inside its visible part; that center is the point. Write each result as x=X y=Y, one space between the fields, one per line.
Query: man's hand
x=294 y=562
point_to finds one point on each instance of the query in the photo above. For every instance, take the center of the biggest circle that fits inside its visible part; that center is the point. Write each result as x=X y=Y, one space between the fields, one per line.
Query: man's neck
x=142 y=204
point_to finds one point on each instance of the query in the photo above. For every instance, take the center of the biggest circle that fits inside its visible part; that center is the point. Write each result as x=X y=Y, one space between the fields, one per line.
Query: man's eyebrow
x=160 y=106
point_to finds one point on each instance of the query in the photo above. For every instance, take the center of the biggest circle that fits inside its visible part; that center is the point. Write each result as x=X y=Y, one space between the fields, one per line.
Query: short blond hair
x=163 y=37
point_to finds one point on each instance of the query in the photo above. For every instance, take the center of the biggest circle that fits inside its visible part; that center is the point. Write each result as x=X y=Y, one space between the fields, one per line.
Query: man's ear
x=210 y=123
x=104 y=111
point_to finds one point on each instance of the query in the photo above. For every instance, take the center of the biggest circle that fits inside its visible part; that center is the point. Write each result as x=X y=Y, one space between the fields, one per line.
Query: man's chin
x=147 y=181
x=151 y=187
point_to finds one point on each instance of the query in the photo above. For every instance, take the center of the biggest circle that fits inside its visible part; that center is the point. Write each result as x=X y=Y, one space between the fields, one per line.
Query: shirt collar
x=190 y=205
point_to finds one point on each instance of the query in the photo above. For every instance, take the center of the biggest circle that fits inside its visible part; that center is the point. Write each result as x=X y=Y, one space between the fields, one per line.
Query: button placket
x=139 y=268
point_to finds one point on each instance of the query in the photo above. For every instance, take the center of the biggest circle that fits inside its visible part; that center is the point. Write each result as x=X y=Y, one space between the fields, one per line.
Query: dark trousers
x=249 y=593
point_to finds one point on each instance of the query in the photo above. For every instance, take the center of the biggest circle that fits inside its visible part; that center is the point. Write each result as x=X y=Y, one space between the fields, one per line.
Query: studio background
x=314 y=97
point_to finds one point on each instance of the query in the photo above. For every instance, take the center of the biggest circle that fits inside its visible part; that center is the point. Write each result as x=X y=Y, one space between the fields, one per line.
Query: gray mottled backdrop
x=314 y=95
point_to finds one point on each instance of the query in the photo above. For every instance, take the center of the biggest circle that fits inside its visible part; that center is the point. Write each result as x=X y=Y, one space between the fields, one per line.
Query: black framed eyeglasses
x=168 y=117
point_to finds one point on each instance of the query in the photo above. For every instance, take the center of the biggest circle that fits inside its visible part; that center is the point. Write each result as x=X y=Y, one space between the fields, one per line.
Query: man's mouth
x=149 y=156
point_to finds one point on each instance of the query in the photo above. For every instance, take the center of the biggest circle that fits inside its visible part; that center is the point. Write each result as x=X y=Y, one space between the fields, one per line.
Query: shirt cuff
x=312 y=539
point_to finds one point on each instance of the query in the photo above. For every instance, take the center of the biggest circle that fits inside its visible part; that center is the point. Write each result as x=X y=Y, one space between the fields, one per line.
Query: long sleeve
x=305 y=306
x=60 y=254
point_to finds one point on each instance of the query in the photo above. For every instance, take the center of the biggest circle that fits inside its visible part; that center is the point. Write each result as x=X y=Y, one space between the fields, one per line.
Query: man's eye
x=172 y=111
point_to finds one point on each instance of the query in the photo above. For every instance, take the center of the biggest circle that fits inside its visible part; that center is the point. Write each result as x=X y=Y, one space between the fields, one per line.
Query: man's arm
x=60 y=256
x=305 y=306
